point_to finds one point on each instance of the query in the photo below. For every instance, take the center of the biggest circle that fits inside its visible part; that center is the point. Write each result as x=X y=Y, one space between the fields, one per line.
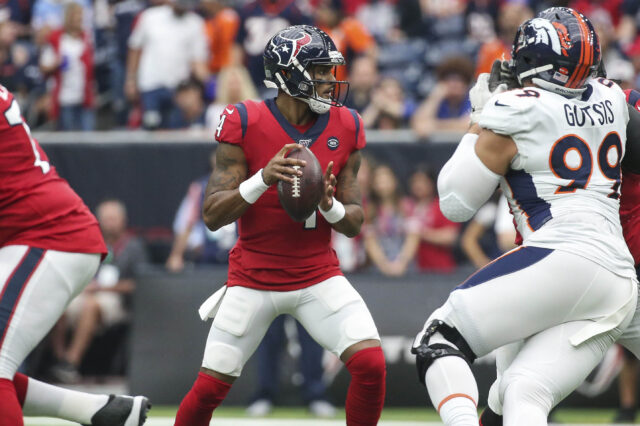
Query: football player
x=554 y=146
x=50 y=248
x=278 y=265
x=630 y=221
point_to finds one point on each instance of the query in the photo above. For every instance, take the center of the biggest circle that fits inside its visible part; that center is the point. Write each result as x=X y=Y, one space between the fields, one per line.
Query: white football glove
x=480 y=93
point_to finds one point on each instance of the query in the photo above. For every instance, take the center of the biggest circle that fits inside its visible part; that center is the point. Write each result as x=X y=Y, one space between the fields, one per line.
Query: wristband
x=335 y=213
x=252 y=188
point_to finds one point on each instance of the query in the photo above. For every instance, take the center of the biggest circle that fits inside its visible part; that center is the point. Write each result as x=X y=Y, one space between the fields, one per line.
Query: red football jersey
x=630 y=198
x=273 y=252
x=37 y=207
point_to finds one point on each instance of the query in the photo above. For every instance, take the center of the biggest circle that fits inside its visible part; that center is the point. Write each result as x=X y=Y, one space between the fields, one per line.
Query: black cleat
x=122 y=411
x=625 y=415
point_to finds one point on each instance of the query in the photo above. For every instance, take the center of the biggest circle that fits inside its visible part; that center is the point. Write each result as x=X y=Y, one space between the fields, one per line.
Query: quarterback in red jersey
x=280 y=266
x=50 y=248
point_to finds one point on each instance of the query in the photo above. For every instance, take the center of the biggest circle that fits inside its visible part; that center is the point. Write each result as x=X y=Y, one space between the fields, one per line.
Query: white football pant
x=36 y=285
x=332 y=312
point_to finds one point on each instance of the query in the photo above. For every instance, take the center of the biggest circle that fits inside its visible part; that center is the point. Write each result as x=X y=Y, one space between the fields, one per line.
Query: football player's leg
x=547 y=369
x=522 y=287
x=241 y=322
x=335 y=315
x=492 y=414
x=36 y=286
x=630 y=338
x=44 y=400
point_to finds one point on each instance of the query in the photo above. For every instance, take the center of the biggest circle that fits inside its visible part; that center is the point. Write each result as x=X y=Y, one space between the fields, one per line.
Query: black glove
x=502 y=73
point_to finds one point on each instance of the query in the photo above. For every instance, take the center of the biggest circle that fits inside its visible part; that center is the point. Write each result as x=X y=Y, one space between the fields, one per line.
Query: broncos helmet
x=558 y=50
x=288 y=57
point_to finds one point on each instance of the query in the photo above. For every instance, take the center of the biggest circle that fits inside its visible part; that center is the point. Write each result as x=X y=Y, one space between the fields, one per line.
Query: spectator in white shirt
x=68 y=59
x=168 y=45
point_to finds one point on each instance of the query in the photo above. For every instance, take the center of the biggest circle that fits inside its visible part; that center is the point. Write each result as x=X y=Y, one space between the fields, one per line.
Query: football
x=301 y=198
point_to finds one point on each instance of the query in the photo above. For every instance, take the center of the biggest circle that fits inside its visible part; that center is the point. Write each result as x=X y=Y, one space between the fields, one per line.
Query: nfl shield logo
x=333 y=143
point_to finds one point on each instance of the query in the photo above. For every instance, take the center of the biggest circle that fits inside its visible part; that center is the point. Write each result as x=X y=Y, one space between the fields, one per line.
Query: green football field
x=162 y=416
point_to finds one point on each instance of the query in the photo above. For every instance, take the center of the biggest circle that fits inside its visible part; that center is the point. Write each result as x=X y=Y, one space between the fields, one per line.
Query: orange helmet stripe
x=586 y=54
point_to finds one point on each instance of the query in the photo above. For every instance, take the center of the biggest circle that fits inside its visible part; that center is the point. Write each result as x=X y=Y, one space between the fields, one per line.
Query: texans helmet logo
x=288 y=50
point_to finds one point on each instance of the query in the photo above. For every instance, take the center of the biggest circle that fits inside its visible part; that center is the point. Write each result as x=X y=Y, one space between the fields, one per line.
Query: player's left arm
x=472 y=174
x=347 y=195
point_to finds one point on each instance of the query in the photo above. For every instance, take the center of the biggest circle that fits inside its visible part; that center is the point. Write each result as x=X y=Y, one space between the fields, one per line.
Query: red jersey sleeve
x=633 y=98
x=233 y=124
x=353 y=122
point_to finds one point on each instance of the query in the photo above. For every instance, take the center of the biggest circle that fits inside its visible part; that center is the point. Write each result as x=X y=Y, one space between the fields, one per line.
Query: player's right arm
x=472 y=174
x=224 y=200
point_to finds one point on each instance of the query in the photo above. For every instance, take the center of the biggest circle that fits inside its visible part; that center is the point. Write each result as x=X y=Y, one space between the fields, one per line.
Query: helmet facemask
x=299 y=82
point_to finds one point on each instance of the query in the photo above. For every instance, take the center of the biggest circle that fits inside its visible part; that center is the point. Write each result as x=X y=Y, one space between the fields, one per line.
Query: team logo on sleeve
x=288 y=51
x=332 y=143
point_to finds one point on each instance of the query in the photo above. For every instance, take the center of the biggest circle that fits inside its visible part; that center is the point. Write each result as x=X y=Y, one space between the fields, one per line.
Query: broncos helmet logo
x=288 y=50
x=541 y=31
x=565 y=38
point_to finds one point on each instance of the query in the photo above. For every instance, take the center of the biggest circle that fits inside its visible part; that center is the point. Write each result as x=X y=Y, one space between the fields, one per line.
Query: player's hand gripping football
x=282 y=168
x=330 y=182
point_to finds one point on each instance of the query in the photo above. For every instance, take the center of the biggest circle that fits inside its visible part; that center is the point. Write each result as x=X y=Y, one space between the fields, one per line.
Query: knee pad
x=223 y=358
x=368 y=364
x=427 y=352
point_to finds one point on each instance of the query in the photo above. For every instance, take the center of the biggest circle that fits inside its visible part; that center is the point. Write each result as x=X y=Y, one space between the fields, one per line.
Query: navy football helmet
x=558 y=50
x=288 y=58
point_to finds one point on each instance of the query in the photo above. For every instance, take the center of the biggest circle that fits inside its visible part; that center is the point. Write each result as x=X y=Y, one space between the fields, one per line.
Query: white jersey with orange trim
x=563 y=186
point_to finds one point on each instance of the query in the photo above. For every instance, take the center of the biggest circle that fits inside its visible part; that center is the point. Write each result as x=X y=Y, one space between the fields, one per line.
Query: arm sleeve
x=232 y=125
x=465 y=183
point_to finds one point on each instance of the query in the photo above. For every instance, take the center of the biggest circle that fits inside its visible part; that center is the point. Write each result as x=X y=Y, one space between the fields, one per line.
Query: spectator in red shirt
x=437 y=233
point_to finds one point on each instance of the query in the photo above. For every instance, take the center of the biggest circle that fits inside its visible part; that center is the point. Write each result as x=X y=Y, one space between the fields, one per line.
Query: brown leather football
x=301 y=198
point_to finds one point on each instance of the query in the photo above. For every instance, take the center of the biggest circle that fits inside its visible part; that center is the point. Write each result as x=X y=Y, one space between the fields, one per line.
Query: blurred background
x=125 y=96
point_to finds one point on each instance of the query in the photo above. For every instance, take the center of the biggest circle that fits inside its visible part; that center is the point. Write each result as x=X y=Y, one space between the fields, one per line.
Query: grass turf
x=594 y=416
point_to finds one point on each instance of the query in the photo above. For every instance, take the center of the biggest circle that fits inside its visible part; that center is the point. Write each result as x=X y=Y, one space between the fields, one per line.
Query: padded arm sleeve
x=465 y=183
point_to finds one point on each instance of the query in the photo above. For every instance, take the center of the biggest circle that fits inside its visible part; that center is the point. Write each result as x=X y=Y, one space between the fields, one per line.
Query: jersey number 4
x=580 y=175
x=14 y=118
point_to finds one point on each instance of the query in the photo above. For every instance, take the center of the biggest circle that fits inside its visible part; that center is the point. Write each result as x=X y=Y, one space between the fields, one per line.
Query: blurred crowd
x=174 y=64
